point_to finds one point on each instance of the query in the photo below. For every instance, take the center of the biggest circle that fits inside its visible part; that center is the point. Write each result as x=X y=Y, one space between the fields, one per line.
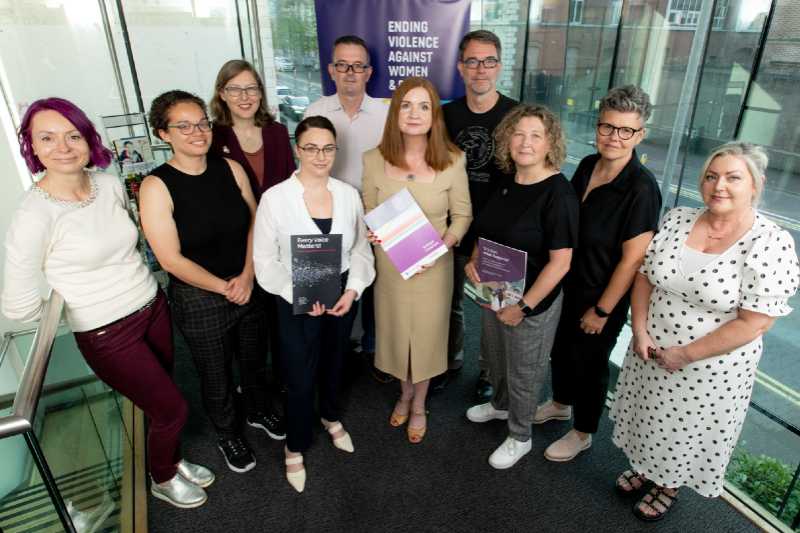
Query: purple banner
x=405 y=38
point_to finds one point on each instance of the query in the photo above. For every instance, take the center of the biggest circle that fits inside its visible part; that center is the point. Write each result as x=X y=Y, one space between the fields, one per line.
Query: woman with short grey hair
x=713 y=281
x=619 y=206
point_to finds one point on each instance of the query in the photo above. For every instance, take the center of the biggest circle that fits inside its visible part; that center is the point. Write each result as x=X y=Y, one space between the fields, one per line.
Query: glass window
x=44 y=43
x=178 y=44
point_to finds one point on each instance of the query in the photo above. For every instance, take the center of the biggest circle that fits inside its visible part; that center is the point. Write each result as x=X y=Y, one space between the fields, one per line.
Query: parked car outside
x=284 y=64
x=293 y=107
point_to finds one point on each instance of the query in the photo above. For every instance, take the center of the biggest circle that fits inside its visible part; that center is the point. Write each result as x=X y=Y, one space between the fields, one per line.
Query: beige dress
x=412 y=316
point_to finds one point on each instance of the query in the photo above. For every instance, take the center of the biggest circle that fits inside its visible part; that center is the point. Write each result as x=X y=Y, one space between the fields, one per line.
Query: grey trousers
x=519 y=360
x=455 y=344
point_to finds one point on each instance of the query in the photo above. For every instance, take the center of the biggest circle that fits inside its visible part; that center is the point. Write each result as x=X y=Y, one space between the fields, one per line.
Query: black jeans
x=580 y=362
x=312 y=350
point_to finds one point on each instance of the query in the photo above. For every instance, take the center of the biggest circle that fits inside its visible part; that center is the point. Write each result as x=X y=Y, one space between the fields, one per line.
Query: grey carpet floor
x=443 y=484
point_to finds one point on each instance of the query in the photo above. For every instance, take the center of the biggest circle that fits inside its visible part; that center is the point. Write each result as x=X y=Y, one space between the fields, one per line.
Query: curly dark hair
x=159 y=109
x=502 y=135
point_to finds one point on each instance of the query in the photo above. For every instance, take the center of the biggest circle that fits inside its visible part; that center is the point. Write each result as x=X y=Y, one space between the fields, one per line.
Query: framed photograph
x=132 y=150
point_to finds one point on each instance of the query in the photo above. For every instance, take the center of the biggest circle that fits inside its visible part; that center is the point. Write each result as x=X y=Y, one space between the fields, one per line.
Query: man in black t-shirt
x=471 y=121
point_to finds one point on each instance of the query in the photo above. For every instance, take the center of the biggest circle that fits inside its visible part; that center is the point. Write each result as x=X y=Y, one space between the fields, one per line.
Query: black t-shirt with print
x=534 y=218
x=474 y=134
x=612 y=214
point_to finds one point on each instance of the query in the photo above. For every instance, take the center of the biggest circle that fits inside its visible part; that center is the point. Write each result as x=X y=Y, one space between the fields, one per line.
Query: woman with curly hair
x=536 y=212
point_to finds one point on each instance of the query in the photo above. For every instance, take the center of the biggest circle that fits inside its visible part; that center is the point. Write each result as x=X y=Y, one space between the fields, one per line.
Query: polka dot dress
x=681 y=428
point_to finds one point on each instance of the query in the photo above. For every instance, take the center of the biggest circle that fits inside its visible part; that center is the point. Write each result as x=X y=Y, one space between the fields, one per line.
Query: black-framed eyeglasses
x=234 y=91
x=358 y=68
x=624 y=132
x=187 y=128
x=313 y=150
x=473 y=63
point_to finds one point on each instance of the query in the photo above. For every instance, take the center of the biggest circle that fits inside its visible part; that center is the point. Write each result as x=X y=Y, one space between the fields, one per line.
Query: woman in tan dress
x=412 y=316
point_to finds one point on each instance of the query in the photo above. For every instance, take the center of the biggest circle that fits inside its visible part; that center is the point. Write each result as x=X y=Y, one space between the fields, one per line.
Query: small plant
x=765 y=480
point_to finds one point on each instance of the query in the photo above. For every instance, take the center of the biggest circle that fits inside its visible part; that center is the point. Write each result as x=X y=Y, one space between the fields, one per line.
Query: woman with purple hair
x=73 y=226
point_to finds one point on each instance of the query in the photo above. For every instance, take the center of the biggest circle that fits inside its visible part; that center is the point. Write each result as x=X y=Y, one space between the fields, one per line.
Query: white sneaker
x=509 y=453
x=484 y=412
x=567 y=447
x=548 y=411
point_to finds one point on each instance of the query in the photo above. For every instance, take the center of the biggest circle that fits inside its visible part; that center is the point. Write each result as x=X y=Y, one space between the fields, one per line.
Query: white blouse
x=282 y=212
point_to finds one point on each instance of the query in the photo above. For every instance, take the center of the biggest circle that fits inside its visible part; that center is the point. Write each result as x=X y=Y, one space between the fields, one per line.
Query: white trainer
x=548 y=411
x=508 y=453
x=484 y=412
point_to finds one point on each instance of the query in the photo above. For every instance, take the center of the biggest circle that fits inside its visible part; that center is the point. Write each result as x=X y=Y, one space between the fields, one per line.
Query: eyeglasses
x=187 y=128
x=313 y=150
x=624 y=132
x=358 y=68
x=235 y=91
x=473 y=63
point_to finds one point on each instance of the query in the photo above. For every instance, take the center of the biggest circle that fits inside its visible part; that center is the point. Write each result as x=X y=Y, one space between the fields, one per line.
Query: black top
x=612 y=214
x=534 y=218
x=474 y=134
x=324 y=224
x=210 y=215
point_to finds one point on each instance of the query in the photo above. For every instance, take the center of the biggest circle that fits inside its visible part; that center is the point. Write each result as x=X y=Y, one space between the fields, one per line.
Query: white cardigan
x=88 y=254
x=282 y=213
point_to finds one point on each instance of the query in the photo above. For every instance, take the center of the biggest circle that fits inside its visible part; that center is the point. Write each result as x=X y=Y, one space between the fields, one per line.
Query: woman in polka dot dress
x=713 y=281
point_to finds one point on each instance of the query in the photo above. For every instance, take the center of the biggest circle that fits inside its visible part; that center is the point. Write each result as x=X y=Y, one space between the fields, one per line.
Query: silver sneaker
x=179 y=492
x=197 y=474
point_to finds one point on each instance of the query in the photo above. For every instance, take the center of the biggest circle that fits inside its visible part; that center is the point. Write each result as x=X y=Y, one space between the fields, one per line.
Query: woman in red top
x=245 y=131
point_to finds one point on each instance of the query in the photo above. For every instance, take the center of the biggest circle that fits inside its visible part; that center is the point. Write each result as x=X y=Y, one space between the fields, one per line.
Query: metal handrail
x=27 y=398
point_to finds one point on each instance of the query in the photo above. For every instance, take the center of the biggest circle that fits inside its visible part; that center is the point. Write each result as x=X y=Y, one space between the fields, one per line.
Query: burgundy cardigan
x=278 y=159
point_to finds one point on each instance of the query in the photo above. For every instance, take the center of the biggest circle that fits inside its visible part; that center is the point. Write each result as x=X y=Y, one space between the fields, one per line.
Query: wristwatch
x=599 y=311
x=525 y=308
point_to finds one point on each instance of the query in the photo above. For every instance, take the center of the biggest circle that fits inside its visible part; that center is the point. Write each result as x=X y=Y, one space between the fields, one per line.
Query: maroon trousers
x=134 y=356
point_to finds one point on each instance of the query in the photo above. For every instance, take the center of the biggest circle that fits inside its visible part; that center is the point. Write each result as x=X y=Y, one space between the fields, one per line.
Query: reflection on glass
x=45 y=42
x=181 y=45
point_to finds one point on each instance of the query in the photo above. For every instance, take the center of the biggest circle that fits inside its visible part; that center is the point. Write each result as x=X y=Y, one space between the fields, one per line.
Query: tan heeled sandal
x=397 y=419
x=416 y=434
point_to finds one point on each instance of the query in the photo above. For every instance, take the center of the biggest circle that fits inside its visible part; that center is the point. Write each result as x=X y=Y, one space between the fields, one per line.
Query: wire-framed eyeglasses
x=313 y=150
x=187 y=128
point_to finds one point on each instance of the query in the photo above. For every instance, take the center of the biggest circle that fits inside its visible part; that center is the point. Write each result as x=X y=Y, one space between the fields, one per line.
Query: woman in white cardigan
x=312 y=202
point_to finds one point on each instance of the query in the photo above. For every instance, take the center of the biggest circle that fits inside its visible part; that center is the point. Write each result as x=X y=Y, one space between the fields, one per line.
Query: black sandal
x=658 y=497
x=627 y=477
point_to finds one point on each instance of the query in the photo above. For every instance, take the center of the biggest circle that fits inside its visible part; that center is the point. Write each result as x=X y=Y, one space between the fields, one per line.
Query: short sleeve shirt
x=612 y=214
x=535 y=218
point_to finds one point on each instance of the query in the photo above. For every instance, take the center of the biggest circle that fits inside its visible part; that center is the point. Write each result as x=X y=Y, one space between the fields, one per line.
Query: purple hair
x=99 y=155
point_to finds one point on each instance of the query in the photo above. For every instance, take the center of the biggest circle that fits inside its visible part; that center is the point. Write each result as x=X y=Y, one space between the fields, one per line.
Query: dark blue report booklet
x=316 y=271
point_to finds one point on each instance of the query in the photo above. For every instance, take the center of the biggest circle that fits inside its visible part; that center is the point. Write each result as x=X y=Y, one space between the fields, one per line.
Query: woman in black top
x=197 y=213
x=620 y=203
x=536 y=212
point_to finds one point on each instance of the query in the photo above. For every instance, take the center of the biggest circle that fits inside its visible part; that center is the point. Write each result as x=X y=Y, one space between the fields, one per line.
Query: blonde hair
x=753 y=156
x=440 y=152
x=555 y=135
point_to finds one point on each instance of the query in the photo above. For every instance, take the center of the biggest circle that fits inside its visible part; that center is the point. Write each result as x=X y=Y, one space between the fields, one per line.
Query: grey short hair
x=754 y=157
x=482 y=36
x=627 y=99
